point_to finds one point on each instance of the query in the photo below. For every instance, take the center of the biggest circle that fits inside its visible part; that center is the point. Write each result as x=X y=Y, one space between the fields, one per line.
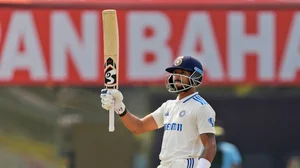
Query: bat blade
x=111 y=48
x=111 y=54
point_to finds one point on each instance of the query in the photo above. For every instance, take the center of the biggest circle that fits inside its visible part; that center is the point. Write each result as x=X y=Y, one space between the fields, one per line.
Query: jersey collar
x=186 y=98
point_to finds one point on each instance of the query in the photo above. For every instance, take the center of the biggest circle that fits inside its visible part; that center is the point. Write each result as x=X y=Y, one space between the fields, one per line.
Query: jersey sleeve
x=158 y=115
x=206 y=120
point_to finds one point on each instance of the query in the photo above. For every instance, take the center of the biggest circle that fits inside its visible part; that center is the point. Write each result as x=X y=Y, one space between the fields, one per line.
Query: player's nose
x=176 y=78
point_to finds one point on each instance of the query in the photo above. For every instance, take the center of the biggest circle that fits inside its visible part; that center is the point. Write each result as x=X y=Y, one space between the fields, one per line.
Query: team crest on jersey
x=182 y=113
x=178 y=60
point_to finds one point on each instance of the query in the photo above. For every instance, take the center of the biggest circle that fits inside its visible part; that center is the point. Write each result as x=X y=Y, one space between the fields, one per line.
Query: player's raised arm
x=110 y=98
x=139 y=126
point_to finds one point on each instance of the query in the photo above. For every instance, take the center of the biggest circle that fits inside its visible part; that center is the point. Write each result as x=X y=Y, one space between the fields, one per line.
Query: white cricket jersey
x=183 y=121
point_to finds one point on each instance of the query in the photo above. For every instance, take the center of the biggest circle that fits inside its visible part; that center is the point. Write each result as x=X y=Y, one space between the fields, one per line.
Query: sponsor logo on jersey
x=211 y=121
x=173 y=127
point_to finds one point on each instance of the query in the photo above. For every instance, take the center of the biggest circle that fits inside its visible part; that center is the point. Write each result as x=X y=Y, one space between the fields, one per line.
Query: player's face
x=181 y=77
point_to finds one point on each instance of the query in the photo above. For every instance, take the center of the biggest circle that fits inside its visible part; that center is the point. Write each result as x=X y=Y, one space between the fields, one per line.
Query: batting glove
x=112 y=99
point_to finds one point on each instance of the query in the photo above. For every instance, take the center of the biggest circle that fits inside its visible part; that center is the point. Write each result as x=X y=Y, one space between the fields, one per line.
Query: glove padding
x=112 y=98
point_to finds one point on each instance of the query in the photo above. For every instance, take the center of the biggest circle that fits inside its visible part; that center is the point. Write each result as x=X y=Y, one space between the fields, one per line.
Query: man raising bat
x=188 y=120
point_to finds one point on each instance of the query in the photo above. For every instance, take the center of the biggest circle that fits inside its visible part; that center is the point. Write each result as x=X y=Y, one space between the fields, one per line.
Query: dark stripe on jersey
x=188 y=99
x=190 y=163
x=199 y=99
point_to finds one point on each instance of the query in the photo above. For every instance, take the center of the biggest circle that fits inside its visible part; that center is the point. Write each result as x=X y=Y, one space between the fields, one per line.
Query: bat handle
x=111 y=127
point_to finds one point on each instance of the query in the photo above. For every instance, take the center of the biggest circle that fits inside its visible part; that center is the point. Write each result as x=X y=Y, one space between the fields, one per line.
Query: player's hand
x=112 y=99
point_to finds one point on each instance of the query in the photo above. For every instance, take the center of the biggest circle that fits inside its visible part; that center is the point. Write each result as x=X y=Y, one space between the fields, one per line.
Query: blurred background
x=51 y=74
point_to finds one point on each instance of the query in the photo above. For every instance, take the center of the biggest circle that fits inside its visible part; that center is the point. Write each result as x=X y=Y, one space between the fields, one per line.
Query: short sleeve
x=158 y=115
x=206 y=120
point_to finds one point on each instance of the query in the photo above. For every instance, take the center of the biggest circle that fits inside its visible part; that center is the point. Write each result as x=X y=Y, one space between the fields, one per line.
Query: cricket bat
x=111 y=55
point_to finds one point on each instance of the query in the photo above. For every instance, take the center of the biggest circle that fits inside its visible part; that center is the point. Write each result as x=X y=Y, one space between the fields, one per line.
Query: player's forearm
x=209 y=152
x=131 y=122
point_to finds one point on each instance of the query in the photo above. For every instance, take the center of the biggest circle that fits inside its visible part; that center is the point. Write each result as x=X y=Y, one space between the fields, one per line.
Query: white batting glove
x=112 y=99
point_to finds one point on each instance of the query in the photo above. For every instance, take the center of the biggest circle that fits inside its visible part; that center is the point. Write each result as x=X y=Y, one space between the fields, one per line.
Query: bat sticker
x=110 y=72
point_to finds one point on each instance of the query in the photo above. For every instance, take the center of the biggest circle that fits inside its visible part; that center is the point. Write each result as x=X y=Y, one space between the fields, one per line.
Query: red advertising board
x=156 y=2
x=170 y=1
x=64 y=46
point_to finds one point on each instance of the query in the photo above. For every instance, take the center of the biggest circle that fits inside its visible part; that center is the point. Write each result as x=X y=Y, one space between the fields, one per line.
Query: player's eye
x=179 y=72
x=184 y=73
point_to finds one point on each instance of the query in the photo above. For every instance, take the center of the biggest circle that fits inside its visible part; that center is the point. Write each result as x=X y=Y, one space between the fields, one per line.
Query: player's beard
x=181 y=87
x=186 y=90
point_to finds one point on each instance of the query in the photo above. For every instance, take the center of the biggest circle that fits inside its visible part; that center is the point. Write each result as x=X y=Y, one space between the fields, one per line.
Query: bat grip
x=111 y=127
